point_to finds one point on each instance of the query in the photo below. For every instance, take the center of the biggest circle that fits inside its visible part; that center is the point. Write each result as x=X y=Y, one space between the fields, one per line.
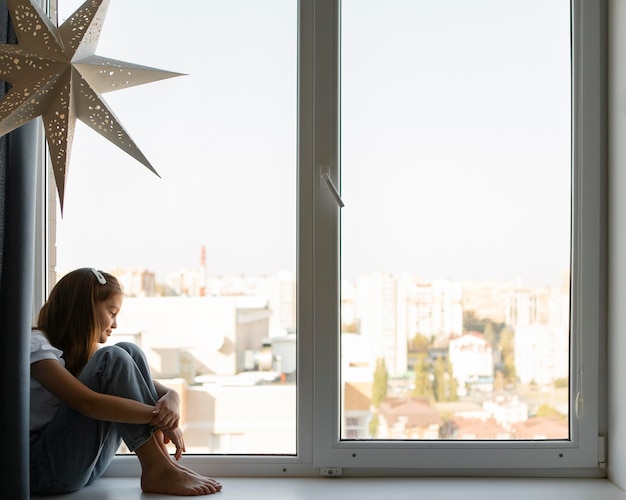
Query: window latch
x=333 y=190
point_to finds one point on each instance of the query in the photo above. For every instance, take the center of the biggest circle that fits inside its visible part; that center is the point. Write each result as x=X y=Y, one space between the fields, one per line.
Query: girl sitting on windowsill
x=86 y=399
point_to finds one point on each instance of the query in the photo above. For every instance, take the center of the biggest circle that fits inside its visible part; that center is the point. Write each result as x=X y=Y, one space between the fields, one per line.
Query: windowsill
x=377 y=488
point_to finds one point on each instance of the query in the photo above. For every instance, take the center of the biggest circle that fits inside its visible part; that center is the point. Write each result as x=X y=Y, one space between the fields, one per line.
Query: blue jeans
x=73 y=450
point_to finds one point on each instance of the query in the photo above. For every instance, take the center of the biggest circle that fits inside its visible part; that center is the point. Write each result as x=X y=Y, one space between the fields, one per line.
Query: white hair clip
x=99 y=276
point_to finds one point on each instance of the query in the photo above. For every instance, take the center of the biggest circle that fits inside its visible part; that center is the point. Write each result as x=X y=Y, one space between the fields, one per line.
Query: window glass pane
x=456 y=231
x=206 y=253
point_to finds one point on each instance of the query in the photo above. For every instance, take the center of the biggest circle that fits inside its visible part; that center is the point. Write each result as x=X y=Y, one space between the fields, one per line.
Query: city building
x=435 y=309
x=223 y=335
x=407 y=418
x=376 y=303
x=471 y=357
x=137 y=282
x=541 y=353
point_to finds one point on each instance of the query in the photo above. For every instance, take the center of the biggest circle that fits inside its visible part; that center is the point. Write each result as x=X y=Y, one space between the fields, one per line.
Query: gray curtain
x=18 y=179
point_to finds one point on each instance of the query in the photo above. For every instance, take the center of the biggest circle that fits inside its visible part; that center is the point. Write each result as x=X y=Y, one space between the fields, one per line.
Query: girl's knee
x=128 y=353
x=129 y=347
x=133 y=349
x=122 y=349
x=114 y=353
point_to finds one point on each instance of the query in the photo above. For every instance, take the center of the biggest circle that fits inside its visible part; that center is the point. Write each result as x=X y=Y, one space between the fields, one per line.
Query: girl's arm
x=163 y=390
x=55 y=378
x=167 y=413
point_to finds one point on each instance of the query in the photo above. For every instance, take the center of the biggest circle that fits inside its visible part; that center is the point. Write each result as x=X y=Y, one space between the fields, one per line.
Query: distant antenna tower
x=202 y=271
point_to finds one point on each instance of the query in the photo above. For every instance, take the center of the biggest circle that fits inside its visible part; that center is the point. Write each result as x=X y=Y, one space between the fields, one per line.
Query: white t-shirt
x=43 y=405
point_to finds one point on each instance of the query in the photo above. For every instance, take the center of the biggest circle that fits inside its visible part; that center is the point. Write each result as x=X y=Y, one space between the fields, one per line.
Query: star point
x=55 y=74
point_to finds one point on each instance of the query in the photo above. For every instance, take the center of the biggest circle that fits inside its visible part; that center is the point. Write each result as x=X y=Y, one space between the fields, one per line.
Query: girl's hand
x=166 y=414
x=175 y=436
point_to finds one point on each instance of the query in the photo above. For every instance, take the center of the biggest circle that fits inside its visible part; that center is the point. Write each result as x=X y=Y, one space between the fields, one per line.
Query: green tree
x=561 y=383
x=444 y=384
x=548 y=411
x=498 y=383
x=374 y=423
x=506 y=344
x=419 y=344
x=381 y=378
x=490 y=333
x=471 y=322
x=453 y=385
x=423 y=384
x=439 y=382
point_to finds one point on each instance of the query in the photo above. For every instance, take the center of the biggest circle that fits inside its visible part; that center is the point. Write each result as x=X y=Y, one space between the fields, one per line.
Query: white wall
x=617 y=242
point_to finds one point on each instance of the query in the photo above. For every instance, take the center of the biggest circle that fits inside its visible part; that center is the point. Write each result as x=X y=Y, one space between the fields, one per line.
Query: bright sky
x=455 y=140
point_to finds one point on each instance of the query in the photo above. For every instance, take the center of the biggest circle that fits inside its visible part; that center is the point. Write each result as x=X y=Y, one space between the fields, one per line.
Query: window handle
x=333 y=190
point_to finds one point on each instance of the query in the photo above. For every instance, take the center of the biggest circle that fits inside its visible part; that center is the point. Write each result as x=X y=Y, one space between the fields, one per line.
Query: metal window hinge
x=601 y=452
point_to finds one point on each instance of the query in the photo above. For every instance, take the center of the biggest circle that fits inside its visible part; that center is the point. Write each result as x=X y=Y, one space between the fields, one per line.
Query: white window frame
x=582 y=453
x=318 y=440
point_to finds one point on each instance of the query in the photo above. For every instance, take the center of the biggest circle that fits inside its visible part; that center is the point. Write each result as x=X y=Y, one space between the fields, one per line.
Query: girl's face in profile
x=106 y=316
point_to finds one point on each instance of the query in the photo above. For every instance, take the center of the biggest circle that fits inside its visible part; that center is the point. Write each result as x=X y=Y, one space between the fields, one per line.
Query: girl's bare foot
x=159 y=438
x=173 y=480
x=160 y=474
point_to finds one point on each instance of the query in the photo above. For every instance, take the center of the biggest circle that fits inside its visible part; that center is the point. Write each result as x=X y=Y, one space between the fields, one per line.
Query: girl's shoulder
x=41 y=348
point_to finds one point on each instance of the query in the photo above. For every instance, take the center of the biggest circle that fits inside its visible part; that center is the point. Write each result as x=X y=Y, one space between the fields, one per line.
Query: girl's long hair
x=69 y=319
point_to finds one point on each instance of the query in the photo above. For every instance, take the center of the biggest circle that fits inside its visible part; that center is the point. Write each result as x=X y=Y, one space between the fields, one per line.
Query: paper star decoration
x=55 y=74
